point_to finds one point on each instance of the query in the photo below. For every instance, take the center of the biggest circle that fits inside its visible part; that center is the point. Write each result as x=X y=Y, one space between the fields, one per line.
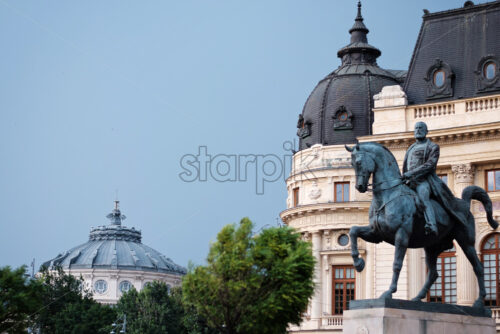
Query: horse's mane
x=371 y=147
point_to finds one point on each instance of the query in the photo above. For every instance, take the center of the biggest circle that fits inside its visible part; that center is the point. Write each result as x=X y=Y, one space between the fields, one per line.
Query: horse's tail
x=477 y=193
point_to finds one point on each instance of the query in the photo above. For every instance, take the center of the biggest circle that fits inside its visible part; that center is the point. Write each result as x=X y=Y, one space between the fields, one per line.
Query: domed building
x=454 y=87
x=340 y=107
x=114 y=259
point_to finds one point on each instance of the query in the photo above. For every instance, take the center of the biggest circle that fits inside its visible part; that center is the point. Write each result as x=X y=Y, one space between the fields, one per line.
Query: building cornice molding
x=320 y=208
x=448 y=136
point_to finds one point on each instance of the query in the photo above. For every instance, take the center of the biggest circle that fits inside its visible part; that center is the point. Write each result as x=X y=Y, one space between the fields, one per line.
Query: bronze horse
x=395 y=217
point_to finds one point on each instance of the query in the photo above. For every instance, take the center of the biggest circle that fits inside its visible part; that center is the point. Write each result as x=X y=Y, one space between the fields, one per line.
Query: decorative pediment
x=342 y=119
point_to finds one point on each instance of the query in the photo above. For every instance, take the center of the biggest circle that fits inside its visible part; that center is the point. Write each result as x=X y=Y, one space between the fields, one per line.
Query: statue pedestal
x=394 y=316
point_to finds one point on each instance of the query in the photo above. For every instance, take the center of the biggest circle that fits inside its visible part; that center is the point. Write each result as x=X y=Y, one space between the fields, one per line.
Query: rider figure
x=419 y=169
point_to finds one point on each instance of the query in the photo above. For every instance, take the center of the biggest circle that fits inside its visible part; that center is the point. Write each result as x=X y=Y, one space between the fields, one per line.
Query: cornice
x=448 y=136
x=461 y=11
x=362 y=251
x=312 y=209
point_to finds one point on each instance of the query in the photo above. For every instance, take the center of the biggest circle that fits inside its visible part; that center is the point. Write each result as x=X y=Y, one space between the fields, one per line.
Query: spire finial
x=359 y=43
x=359 y=29
x=116 y=216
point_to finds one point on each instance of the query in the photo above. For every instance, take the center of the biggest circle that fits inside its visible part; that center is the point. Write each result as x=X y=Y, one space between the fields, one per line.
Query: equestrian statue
x=416 y=209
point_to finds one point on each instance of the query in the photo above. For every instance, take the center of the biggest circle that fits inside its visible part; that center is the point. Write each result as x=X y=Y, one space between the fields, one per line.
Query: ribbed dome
x=339 y=108
x=115 y=247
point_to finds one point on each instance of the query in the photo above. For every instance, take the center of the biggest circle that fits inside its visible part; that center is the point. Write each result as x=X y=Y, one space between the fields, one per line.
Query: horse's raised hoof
x=416 y=299
x=386 y=295
x=359 y=264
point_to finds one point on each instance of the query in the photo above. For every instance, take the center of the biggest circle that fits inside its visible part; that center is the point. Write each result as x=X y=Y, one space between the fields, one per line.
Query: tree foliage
x=157 y=309
x=68 y=307
x=18 y=299
x=252 y=284
x=55 y=302
x=85 y=316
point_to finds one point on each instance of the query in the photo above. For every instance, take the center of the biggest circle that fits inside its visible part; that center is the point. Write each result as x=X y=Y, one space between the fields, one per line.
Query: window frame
x=441 y=267
x=344 y=280
x=343 y=184
x=100 y=283
x=485 y=69
x=122 y=285
x=444 y=175
x=295 y=196
x=496 y=252
x=435 y=75
x=486 y=172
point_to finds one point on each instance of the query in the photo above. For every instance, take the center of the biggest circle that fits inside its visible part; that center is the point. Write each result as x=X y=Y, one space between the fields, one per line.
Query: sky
x=102 y=100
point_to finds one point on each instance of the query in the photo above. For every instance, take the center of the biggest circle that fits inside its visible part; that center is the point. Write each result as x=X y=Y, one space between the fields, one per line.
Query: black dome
x=340 y=107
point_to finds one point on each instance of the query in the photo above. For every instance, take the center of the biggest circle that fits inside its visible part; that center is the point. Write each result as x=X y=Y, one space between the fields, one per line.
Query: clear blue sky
x=103 y=95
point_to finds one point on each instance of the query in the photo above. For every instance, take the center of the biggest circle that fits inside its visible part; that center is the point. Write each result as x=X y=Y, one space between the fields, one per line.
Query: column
x=466 y=280
x=316 y=300
x=369 y=292
x=416 y=271
x=326 y=278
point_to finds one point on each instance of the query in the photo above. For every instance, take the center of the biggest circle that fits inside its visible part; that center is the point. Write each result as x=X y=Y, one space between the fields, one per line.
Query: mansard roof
x=459 y=41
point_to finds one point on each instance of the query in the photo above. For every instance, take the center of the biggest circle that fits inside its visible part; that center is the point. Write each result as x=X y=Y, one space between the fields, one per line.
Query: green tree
x=151 y=311
x=18 y=299
x=69 y=307
x=158 y=309
x=192 y=322
x=252 y=284
x=85 y=316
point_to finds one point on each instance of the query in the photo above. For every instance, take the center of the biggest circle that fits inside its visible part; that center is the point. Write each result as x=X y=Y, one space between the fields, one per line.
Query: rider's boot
x=430 y=220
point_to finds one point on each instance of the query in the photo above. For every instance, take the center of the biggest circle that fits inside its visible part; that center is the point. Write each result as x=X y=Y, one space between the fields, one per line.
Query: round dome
x=339 y=108
x=115 y=247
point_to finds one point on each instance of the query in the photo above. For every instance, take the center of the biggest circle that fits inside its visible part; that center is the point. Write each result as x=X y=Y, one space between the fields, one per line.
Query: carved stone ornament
x=303 y=127
x=327 y=240
x=464 y=173
x=390 y=96
x=313 y=159
x=485 y=84
x=326 y=265
x=439 y=80
x=315 y=192
x=342 y=119
x=362 y=330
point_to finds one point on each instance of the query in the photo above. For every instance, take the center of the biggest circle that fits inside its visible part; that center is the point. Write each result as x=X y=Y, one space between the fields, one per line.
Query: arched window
x=444 y=290
x=490 y=253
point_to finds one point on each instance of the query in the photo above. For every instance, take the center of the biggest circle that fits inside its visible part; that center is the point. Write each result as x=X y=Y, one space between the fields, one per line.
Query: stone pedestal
x=375 y=316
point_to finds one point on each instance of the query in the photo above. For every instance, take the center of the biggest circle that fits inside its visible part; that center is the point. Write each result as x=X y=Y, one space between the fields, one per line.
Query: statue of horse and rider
x=416 y=209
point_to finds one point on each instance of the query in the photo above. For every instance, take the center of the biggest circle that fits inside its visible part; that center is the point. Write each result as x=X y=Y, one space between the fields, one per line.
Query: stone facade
x=468 y=132
x=116 y=279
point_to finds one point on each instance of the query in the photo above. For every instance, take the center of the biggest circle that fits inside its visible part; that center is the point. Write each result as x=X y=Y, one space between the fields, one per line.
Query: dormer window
x=439 y=80
x=342 y=119
x=487 y=74
x=303 y=127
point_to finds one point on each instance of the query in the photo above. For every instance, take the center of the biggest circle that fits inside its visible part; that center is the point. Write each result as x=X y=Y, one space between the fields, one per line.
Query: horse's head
x=364 y=166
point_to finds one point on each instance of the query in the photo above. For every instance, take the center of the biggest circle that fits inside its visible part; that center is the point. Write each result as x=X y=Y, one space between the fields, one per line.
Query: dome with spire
x=339 y=109
x=115 y=246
